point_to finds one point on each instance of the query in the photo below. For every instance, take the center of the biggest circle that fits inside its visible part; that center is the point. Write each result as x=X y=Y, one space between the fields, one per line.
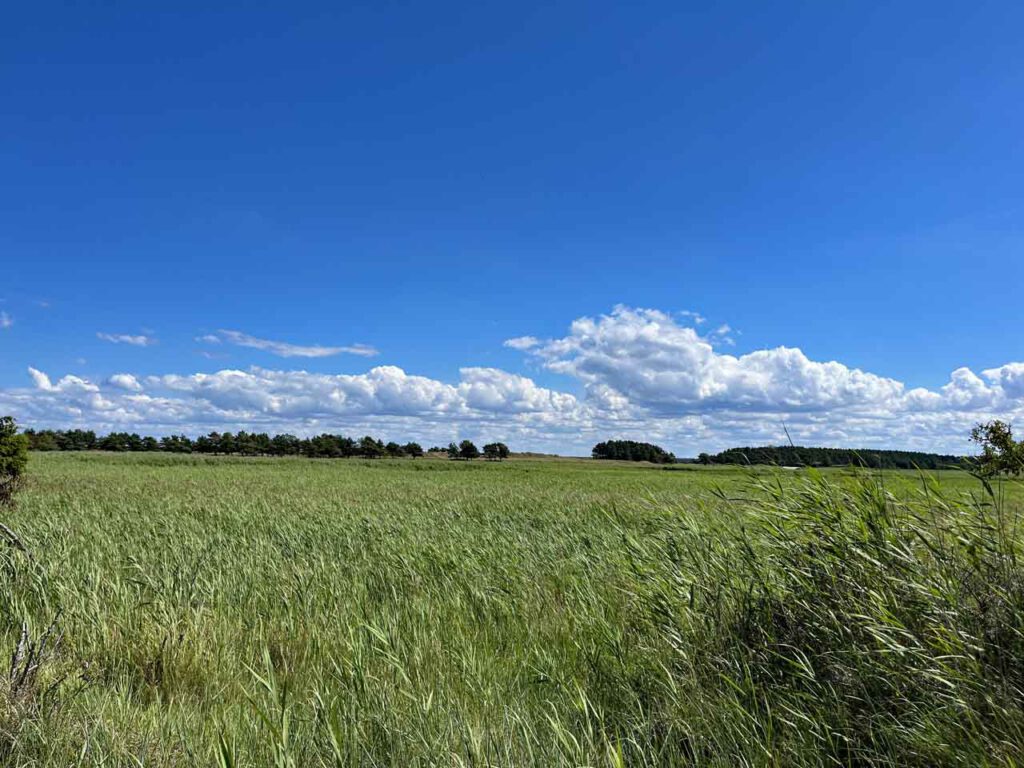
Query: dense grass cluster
x=186 y=610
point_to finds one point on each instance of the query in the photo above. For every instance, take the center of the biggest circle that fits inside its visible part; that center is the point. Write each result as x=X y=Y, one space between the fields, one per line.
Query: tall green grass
x=193 y=611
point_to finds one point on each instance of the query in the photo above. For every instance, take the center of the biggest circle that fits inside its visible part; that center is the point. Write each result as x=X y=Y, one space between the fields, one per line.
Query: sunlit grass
x=304 y=613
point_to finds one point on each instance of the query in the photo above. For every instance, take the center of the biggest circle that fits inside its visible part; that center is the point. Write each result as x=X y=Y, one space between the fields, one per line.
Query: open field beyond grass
x=293 y=612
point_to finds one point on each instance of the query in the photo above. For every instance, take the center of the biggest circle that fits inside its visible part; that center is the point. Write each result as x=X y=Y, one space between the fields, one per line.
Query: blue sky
x=431 y=180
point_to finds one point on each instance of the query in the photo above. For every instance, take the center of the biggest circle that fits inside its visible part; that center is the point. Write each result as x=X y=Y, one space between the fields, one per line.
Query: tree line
x=468 y=451
x=251 y=444
x=798 y=456
x=630 y=450
x=787 y=456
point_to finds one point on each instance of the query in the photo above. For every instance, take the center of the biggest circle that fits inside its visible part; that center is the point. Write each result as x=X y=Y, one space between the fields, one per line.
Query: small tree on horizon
x=453 y=451
x=468 y=450
x=496 y=452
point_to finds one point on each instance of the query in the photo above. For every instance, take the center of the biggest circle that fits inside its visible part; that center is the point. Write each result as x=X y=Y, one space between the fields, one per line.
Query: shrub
x=13 y=457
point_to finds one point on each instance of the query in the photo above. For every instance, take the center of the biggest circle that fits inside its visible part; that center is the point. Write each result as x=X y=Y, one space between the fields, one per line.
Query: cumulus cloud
x=140 y=340
x=41 y=380
x=636 y=373
x=644 y=356
x=382 y=391
x=125 y=381
x=284 y=349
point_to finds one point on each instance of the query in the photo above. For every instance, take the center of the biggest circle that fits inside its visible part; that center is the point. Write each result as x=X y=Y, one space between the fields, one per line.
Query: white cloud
x=40 y=379
x=6 y=321
x=208 y=338
x=522 y=342
x=284 y=349
x=635 y=373
x=1009 y=378
x=656 y=364
x=140 y=340
x=125 y=381
x=362 y=350
x=382 y=391
x=696 y=317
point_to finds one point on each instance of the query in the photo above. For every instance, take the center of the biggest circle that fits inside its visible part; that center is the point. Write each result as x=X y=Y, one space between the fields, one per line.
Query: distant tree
x=630 y=450
x=284 y=445
x=245 y=444
x=370 y=448
x=13 y=458
x=797 y=456
x=496 y=451
x=704 y=458
x=79 y=440
x=207 y=443
x=248 y=444
x=1000 y=453
x=324 y=447
x=45 y=440
x=115 y=441
x=176 y=444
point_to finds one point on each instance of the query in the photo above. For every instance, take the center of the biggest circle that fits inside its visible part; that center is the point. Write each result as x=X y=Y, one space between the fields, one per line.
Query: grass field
x=250 y=612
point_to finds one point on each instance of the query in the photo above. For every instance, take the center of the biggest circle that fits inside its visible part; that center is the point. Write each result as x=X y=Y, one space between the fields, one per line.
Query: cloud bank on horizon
x=639 y=373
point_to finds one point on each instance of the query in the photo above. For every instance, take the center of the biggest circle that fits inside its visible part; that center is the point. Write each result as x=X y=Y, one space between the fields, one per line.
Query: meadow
x=188 y=610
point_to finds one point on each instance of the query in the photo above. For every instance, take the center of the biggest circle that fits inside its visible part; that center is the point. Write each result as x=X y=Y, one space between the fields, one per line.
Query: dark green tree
x=44 y=440
x=496 y=452
x=13 y=458
x=630 y=450
x=370 y=448
x=284 y=445
x=797 y=456
x=1000 y=453
x=453 y=451
x=415 y=450
x=468 y=451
